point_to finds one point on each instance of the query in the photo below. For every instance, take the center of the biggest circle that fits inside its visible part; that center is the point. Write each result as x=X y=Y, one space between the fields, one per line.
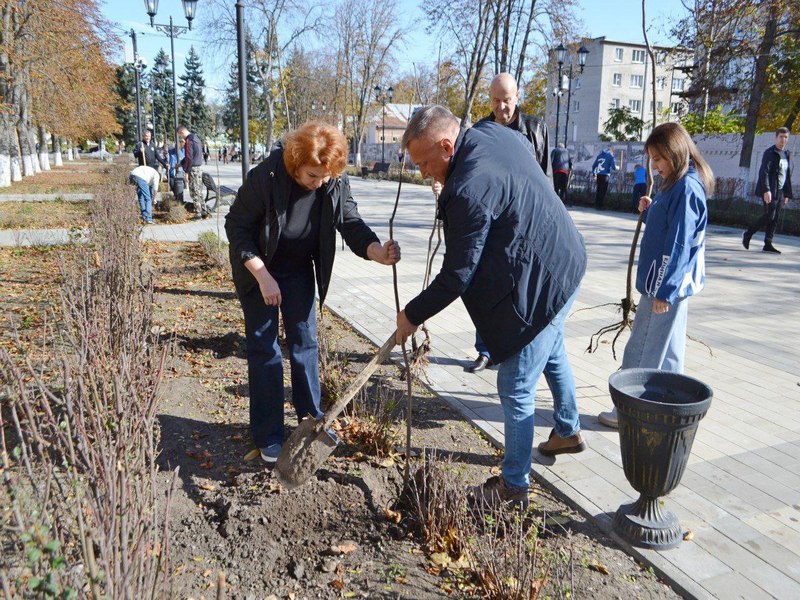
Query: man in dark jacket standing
x=504 y=96
x=147 y=153
x=193 y=166
x=516 y=260
x=562 y=165
x=774 y=187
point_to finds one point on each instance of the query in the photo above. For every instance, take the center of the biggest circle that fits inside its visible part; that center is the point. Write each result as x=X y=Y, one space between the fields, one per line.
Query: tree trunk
x=13 y=147
x=790 y=119
x=70 y=155
x=5 y=151
x=44 y=155
x=57 y=151
x=25 y=147
x=756 y=92
x=37 y=168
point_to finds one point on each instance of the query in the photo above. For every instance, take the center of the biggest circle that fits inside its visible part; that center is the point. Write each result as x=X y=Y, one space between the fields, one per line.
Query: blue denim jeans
x=657 y=341
x=264 y=361
x=145 y=196
x=517 y=377
x=480 y=346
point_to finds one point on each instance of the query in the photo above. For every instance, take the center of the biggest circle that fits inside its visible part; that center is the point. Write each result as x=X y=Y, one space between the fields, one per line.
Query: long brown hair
x=675 y=144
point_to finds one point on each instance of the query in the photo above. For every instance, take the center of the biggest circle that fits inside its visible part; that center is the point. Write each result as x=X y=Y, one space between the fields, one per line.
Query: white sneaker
x=609 y=419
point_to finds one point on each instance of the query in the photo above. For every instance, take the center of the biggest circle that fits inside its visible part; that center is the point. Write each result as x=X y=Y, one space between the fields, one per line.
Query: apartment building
x=616 y=74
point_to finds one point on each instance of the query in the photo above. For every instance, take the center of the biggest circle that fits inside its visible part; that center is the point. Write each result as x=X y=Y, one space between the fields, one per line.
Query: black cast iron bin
x=658 y=415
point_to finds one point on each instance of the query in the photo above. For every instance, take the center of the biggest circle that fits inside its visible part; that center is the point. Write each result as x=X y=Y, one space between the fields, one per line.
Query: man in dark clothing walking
x=774 y=187
x=562 y=165
x=516 y=259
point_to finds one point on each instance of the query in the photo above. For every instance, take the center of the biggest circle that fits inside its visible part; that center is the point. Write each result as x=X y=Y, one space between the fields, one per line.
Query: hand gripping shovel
x=310 y=444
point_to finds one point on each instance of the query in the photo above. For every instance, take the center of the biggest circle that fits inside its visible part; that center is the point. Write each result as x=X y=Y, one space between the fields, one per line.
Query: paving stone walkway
x=740 y=495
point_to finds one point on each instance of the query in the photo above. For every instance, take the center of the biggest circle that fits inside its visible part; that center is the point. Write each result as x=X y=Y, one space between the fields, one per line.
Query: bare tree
x=471 y=28
x=367 y=34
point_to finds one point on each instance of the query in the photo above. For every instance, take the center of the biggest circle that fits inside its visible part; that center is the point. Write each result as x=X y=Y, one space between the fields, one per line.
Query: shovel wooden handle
x=357 y=383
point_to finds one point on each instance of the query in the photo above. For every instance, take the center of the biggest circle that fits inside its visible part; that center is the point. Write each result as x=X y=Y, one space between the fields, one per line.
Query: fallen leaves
x=688 y=536
x=392 y=515
x=600 y=568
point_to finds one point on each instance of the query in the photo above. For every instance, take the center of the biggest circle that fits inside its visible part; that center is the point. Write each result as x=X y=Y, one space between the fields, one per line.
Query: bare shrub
x=85 y=517
x=437 y=498
x=369 y=424
x=174 y=212
x=214 y=247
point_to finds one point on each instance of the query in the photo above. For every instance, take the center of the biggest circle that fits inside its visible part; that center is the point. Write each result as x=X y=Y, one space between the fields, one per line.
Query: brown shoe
x=495 y=492
x=555 y=444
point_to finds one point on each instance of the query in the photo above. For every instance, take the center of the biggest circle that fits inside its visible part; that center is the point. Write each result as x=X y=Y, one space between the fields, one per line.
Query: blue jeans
x=657 y=341
x=517 y=377
x=480 y=346
x=264 y=361
x=145 y=196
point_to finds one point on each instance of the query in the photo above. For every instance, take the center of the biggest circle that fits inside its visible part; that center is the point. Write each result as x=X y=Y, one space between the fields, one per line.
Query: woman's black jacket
x=258 y=215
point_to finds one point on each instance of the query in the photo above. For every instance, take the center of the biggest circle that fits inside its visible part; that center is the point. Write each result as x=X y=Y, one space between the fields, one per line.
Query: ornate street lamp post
x=383 y=96
x=561 y=54
x=173 y=31
x=582 y=53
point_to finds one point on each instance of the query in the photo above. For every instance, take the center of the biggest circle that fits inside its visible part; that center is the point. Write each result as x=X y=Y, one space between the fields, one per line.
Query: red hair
x=315 y=144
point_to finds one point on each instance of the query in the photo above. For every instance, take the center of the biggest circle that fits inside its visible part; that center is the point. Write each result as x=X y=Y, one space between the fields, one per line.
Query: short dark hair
x=781 y=130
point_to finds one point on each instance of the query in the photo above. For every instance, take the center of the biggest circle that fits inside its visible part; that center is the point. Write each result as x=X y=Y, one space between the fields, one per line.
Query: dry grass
x=72 y=178
x=44 y=215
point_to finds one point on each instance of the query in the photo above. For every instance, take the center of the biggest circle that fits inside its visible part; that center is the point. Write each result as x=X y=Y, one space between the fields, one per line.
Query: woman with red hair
x=282 y=232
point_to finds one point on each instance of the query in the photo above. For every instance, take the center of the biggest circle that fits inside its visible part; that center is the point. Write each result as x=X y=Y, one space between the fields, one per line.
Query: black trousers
x=769 y=219
x=560 y=184
x=602 y=188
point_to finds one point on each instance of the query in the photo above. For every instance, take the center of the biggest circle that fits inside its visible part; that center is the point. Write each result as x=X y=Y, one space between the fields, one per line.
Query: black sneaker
x=771 y=249
x=746 y=240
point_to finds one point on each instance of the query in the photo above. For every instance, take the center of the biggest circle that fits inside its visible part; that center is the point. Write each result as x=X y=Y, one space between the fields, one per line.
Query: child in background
x=671 y=254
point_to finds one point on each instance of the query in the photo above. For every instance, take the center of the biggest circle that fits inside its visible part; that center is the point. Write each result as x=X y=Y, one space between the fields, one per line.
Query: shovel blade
x=303 y=453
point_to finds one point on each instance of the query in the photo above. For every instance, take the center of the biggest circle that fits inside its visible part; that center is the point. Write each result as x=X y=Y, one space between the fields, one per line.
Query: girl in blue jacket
x=671 y=254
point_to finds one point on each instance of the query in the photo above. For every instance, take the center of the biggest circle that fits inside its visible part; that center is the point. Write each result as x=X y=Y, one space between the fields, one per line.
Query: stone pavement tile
x=775 y=530
x=602 y=493
x=696 y=562
x=776 y=488
x=743 y=561
x=762 y=546
x=734 y=586
x=734 y=485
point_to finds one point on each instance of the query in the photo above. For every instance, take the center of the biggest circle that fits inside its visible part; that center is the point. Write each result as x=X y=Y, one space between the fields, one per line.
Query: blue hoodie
x=672 y=251
x=604 y=164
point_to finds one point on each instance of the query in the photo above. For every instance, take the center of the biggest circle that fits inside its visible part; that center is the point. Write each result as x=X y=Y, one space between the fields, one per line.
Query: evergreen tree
x=230 y=108
x=160 y=82
x=194 y=112
x=125 y=111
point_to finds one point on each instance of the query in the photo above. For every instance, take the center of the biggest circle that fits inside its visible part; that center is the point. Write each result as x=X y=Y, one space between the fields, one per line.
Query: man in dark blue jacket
x=774 y=187
x=516 y=260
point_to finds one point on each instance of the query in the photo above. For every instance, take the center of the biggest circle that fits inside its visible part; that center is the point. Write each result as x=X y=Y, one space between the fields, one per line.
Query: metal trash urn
x=658 y=414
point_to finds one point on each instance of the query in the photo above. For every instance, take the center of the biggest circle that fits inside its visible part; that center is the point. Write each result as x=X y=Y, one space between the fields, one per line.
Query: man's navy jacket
x=513 y=253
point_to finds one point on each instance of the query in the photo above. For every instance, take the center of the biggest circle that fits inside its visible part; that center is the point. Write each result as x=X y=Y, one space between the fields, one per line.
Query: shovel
x=310 y=443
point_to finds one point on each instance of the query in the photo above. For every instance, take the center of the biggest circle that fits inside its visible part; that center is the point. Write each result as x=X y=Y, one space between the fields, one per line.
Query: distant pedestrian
x=562 y=165
x=602 y=167
x=206 y=153
x=193 y=166
x=639 y=186
x=224 y=155
x=671 y=254
x=146 y=179
x=774 y=187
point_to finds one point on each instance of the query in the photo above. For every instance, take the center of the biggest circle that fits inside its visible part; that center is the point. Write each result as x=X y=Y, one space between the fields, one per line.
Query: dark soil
x=339 y=535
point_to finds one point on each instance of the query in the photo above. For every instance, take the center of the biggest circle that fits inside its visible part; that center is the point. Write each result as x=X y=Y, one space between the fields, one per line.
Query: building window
x=659 y=106
x=616 y=80
x=616 y=103
x=637 y=81
x=661 y=57
x=661 y=82
x=677 y=85
x=576 y=106
x=617 y=54
x=635 y=106
x=638 y=56
x=675 y=108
